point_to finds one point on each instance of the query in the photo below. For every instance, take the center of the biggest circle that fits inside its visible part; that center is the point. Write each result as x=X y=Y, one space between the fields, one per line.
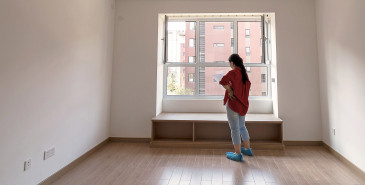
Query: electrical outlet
x=49 y=153
x=27 y=164
x=334 y=131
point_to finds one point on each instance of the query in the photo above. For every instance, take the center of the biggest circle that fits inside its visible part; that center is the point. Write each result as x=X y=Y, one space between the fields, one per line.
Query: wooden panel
x=303 y=143
x=209 y=143
x=264 y=132
x=173 y=130
x=49 y=180
x=130 y=140
x=138 y=164
x=212 y=131
x=216 y=117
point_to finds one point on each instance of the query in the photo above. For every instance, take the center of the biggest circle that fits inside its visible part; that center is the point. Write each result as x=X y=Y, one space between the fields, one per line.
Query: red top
x=241 y=90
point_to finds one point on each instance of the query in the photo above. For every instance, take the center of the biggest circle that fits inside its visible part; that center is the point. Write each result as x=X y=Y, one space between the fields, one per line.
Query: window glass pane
x=249 y=36
x=218 y=27
x=191 y=59
x=192 y=25
x=258 y=78
x=209 y=78
x=215 y=41
x=181 y=39
x=248 y=51
x=247 y=32
x=191 y=77
x=192 y=43
x=179 y=80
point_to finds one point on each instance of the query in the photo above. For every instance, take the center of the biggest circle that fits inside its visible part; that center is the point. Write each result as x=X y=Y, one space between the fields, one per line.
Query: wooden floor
x=125 y=163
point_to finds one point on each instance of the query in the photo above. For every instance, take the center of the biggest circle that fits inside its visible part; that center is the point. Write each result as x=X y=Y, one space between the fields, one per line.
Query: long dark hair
x=237 y=61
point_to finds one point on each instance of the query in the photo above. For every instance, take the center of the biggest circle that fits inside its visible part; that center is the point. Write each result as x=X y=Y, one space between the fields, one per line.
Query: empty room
x=182 y=92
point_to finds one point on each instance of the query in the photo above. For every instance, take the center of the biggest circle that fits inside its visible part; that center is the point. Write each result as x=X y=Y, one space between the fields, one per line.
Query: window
x=248 y=51
x=176 y=85
x=218 y=27
x=192 y=25
x=263 y=78
x=192 y=43
x=247 y=32
x=206 y=55
x=191 y=59
x=255 y=32
x=191 y=77
x=218 y=45
x=177 y=40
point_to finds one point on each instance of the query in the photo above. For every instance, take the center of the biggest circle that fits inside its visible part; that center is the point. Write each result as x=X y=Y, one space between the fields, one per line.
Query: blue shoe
x=234 y=156
x=247 y=152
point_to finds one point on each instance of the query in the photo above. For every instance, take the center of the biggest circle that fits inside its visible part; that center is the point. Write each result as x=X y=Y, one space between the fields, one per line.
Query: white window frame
x=197 y=63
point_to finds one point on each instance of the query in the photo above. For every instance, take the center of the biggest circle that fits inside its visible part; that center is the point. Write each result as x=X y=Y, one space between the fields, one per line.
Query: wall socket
x=49 y=153
x=334 y=131
x=27 y=164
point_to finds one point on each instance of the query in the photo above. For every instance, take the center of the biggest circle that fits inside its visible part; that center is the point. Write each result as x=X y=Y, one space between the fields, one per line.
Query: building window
x=206 y=54
x=191 y=77
x=263 y=78
x=248 y=51
x=192 y=43
x=247 y=32
x=191 y=59
x=218 y=27
x=192 y=25
x=218 y=45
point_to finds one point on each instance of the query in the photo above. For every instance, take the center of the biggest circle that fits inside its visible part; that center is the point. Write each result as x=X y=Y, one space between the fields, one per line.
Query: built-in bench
x=211 y=130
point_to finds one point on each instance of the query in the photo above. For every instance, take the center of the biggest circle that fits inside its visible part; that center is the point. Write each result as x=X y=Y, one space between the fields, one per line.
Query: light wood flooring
x=138 y=164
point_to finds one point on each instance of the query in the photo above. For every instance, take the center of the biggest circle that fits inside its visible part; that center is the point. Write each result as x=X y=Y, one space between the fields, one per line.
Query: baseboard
x=68 y=167
x=344 y=160
x=130 y=140
x=303 y=143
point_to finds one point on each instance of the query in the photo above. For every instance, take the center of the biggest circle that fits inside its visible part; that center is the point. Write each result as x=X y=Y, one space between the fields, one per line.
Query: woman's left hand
x=231 y=95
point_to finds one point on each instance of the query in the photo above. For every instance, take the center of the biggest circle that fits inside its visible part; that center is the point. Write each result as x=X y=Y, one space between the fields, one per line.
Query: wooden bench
x=211 y=130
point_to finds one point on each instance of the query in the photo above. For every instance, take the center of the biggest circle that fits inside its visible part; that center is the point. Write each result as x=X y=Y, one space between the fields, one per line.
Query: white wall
x=135 y=62
x=55 y=78
x=340 y=29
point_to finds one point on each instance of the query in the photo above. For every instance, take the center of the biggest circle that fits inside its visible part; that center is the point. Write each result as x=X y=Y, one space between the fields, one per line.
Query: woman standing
x=237 y=87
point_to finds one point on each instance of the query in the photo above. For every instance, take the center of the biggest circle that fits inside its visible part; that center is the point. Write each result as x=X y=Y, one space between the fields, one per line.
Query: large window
x=207 y=43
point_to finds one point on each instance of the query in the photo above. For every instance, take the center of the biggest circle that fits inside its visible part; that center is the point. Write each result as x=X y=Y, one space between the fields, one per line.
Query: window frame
x=198 y=64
